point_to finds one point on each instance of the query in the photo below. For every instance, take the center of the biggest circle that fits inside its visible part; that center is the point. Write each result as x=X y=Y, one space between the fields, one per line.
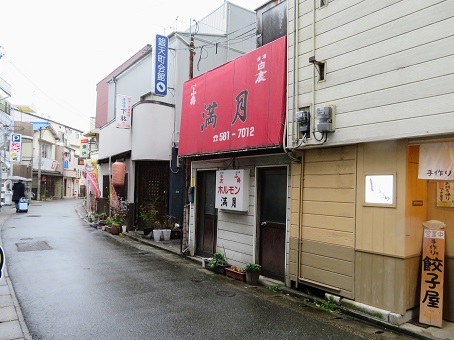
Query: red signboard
x=237 y=106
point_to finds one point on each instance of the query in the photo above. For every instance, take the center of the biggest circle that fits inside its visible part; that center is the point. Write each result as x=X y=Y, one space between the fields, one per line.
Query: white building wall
x=152 y=131
x=113 y=140
x=389 y=67
x=237 y=231
x=134 y=81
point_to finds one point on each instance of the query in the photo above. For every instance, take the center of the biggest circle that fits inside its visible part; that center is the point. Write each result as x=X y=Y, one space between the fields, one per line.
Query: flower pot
x=115 y=229
x=235 y=275
x=175 y=234
x=218 y=269
x=166 y=234
x=147 y=231
x=252 y=277
x=157 y=234
x=124 y=229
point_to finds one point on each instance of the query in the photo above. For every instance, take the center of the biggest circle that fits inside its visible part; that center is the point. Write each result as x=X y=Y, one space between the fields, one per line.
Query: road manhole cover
x=33 y=246
x=224 y=293
x=197 y=279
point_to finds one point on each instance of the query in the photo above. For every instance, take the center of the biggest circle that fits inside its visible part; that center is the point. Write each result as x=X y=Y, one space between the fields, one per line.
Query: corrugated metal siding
x=213 y=23
x=328 y=219
x=389 y=66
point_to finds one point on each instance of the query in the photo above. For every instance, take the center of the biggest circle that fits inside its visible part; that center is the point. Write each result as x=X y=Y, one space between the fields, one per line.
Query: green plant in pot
x=253 y=273
x=109 y=221
x=157 y=231
x=217 y=263
x=149 y=215
x=119 y=212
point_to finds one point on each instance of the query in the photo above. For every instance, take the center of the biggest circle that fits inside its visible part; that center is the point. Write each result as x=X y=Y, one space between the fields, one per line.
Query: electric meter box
x=325 y=119
x=303 y=118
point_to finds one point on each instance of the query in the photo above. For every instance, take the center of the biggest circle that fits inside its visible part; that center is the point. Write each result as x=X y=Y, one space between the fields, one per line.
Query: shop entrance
x=272 y=220
x=207 y=214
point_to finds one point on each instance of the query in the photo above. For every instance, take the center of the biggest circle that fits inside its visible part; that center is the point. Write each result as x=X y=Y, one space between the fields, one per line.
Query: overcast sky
x=56 y=51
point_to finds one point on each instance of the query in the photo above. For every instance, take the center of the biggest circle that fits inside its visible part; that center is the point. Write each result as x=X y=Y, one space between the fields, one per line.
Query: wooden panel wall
x=415 y=215
x=447 y=216
x=389 y=66
x=381 y=229
x=379 y=281
x=442 y=214
x=328 y=218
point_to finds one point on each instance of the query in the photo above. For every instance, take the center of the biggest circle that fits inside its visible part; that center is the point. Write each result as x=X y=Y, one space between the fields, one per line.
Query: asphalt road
x=75 y=282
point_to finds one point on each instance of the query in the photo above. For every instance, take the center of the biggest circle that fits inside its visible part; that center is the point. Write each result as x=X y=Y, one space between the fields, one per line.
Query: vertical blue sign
x=160 y=56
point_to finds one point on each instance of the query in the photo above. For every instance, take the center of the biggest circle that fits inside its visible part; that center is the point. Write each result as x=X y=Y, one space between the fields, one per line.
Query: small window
x=46 y=150
x=321 y=71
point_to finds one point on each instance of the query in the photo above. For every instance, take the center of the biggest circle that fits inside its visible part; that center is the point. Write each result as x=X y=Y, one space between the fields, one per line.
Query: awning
x=39 y=125
x=18 y=178
x=113 y=158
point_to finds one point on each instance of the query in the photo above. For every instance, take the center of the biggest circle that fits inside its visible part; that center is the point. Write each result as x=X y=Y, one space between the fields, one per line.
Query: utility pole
x=38 y=193
x=191 y=57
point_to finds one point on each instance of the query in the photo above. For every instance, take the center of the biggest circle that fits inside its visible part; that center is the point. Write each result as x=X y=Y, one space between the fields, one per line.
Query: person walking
x=18 y=193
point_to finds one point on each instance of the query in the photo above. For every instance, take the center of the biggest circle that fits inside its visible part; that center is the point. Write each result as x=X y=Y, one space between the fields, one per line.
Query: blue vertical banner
x=15 y=147
x=160 y=65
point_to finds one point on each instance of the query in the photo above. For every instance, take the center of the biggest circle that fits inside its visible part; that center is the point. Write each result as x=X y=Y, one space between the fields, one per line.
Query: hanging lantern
x=118 y=174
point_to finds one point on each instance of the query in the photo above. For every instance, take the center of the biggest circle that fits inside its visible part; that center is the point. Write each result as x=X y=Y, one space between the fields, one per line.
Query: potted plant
x=149 y=214
x=119 y=213
x=167 y=228
x=236 y=273
x=253 y=273
x=108 y=224
x=157 y=232
x=116 y=225
x=217 y=263
x=102 y=220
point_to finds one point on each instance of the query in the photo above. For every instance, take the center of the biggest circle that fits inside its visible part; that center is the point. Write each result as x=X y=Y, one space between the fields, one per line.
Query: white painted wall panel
x=152 y=130
x=390 y=66
x=109 y=133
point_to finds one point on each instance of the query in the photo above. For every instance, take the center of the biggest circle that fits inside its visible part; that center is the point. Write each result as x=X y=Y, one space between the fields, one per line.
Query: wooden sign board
x=432 y=277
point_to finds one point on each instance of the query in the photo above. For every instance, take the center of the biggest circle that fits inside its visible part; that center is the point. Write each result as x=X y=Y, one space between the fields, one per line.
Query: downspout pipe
x=294 y=107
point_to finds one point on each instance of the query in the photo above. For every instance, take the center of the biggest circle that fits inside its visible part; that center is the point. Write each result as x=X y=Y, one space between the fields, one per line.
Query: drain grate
x=26 y=239
x=33 y=215
x=33 y=246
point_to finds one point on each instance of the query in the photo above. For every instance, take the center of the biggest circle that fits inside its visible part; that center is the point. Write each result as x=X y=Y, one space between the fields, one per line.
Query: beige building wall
x=324 y=255
x=367 y=253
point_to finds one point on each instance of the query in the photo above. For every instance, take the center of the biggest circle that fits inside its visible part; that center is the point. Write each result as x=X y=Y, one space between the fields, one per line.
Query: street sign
x=432 y=277
x=160 y=65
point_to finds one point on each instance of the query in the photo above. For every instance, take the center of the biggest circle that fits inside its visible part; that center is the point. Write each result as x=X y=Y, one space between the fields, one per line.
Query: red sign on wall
x=237 y=106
